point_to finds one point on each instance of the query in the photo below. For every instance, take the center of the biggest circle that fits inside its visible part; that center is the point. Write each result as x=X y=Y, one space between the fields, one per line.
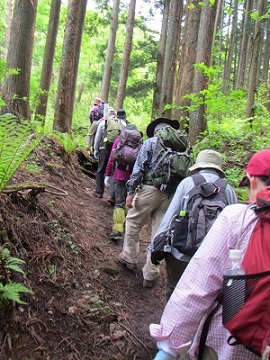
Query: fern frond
x=66 y=141
x=17 y=139
x=12 y=292
x=14 y=267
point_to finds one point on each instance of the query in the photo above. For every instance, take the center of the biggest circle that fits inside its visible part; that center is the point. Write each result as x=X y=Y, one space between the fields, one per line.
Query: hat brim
x=151 y=127
x=206 y=165
x=244 y=182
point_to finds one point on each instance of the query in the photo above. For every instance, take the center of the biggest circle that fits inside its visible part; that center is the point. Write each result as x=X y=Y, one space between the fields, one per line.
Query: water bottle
x=234 y=288
x=235 y=260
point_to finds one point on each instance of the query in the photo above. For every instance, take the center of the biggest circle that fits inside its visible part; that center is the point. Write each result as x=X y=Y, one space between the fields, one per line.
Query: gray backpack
x=206 y=201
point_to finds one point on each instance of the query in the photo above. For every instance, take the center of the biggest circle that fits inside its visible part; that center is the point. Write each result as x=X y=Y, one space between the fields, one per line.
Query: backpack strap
x=206 y=325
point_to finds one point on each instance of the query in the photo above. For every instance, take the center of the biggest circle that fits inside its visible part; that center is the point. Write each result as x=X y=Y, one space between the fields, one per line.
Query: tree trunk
x=106 y=79
x=69 y=66
x=47 y=66
x=17 y=86
x=121 y=93
x=185 y=75
x=203 y=55
x=242 y=59
x=171 y=52
x=228 y=63
x=160 y=60
x=252 y=88
x=8 y=25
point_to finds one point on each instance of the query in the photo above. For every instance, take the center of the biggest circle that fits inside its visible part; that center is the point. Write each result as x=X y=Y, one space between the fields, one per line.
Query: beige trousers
x=148 y=203
x=209 y=354
x=91 y=133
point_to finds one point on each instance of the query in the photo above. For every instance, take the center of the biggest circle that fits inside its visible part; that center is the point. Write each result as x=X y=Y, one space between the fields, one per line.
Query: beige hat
x=208 y=159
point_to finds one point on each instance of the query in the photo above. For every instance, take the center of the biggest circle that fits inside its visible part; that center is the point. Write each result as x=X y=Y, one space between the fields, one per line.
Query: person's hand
x=96 y=154
x=107 y=181
x=162 y=355
x=129 y=200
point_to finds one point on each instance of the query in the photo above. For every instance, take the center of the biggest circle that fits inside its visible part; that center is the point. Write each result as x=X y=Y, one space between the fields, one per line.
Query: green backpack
x=172 y=160
x=113 y=128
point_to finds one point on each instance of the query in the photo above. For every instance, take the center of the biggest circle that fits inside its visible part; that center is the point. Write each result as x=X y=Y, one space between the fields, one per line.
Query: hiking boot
x=148 y=283
x=129 y=266
x=100 y=196
x=111 y=200
x=116 y=235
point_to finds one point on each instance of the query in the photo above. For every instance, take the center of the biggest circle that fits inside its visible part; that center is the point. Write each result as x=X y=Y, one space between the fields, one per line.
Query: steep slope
x=85 y=305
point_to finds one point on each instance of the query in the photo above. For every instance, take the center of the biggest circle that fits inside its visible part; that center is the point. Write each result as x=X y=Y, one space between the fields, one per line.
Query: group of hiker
x=202 y=233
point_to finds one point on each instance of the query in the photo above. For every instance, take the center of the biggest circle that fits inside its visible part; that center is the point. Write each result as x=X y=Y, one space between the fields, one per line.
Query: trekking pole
x=106 y=116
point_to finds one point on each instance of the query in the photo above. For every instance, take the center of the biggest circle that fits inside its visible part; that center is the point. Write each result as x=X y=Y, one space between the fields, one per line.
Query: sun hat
x=208 y=159
x=258 y=165
x=162 y=122
x=121 y=114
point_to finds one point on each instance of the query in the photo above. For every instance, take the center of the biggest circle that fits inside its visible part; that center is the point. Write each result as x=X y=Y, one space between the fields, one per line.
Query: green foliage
x=66 y=141
x=10 y=291
x=17 y=139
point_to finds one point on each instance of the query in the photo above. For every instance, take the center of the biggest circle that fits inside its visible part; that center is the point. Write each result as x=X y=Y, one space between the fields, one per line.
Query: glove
x=107 y=181
x=162 y=355
x=96 y=154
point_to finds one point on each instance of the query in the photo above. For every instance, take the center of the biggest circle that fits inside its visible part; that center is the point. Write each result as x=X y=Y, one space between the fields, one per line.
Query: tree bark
x=16 y=88
x=121 y=93
x=185 y=75
x=171 y=52
x=242 y=58
x=47 y=66
x=160 y=60
x=69 y=66
x=252 y=88
x=228 y=63
x=107 y=73
x=197 y=122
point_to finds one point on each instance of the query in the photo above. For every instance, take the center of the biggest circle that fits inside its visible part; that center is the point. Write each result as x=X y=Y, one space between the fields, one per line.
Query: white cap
x=235 y=254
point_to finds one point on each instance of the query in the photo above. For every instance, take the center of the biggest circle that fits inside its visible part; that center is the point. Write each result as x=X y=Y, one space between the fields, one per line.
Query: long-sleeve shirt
x=118 y=174
x=143 y=163
x=199 y=286
x=179 y=202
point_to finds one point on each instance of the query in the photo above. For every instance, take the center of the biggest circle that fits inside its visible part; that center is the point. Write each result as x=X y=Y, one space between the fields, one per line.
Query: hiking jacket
x=118 y=174
x=143 y=164
x=197 y=289
x=180 y=200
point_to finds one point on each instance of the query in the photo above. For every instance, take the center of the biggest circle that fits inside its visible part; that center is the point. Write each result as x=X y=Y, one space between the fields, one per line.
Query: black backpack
x=206 y=200
x=187 y=229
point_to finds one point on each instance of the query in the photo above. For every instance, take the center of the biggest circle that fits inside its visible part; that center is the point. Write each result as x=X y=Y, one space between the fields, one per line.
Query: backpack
x=127 y=149
x=187 y=230
x=172 y=160
x=249 y=323
x=205 y=202
x=97 y=112
x=113 y=127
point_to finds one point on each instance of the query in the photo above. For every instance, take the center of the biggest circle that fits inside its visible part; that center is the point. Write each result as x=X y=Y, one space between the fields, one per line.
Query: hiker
x=120 y=171
x=105 y=136
x=144 y=201
x=209 y=165
x=121 y=114
x=196 y=292
x=95 y=115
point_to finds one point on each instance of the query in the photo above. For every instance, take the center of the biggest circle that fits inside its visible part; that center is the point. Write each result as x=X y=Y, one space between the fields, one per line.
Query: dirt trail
x=85 y=305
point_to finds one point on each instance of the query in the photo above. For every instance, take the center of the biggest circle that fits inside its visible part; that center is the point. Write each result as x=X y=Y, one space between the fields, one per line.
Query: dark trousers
x=174 y=269
x=120 y=193
x=103 y=158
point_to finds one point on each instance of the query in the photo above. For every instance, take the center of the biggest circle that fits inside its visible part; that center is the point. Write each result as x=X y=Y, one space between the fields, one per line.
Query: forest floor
x=84 y=304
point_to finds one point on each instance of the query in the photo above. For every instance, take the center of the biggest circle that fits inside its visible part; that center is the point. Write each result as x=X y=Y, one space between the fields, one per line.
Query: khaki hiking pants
x=209 y=354
x=148 y=203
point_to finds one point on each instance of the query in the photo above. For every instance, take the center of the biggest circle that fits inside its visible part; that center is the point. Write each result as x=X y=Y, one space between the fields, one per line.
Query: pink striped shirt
x=196 y=291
